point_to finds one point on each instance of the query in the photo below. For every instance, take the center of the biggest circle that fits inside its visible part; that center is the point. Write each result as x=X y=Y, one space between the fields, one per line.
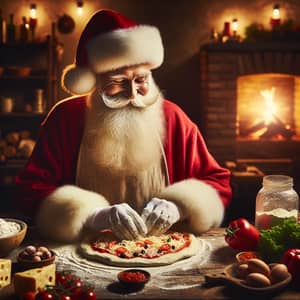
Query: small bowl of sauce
x=134 y=277
x=244 y=256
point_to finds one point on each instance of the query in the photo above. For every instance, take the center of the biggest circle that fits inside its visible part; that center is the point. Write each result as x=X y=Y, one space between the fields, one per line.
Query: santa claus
x=117 y=155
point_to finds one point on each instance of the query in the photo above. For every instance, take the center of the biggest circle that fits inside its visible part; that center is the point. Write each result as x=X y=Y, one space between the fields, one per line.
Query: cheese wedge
x=34 y=280
x=5 y=272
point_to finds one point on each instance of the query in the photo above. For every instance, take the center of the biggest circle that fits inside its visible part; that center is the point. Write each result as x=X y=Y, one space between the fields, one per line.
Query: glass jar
x=39 y=105
x=276 y=201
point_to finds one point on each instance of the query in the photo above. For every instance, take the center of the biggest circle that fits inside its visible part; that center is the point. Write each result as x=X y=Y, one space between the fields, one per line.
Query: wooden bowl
x=230 y=277
x=25 y=264
x=11 y=242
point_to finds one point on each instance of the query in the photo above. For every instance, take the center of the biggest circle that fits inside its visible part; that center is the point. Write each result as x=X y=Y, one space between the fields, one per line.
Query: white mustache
x=120 y=101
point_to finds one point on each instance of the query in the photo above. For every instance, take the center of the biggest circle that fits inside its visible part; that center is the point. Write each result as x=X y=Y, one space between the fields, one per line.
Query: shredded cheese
x=148 y=247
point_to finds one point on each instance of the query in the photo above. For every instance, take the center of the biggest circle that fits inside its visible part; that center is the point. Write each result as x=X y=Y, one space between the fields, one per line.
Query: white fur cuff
x=199 y=202
x=63 y=213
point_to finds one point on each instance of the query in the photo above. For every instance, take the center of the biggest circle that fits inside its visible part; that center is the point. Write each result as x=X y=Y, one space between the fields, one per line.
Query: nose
x=132 y=90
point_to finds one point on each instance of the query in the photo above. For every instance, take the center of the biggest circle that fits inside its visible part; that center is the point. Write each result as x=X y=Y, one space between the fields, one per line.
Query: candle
x=234 y=26
x=226 y=30
x=275 y=19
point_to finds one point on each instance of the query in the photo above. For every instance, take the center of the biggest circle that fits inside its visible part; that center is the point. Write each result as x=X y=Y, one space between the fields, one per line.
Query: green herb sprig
x=276 y=240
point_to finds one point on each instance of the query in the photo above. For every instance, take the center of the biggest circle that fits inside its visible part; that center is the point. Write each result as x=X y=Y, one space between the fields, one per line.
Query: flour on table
x=165 y=277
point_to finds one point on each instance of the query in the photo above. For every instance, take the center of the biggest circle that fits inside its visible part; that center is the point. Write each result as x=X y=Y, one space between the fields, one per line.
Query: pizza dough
x=149 y=251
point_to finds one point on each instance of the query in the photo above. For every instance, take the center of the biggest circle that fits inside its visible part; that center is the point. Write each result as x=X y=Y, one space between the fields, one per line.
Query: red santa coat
x=46 y=186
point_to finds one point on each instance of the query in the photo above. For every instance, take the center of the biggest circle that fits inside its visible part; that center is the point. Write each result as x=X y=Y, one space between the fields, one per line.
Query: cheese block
x=5 y=272
x=34 y=280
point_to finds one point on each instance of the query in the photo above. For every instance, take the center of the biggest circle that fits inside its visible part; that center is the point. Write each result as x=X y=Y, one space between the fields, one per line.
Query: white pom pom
x=78 y=80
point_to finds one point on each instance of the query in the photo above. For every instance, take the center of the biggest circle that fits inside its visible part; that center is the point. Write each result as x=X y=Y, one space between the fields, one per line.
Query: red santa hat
x=108 y=42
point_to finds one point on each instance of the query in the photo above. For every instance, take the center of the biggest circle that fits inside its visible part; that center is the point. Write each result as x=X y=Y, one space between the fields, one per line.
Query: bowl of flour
x=12 y=234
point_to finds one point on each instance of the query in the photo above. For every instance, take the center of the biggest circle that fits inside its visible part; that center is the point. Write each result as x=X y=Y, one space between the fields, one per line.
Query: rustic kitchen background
x=233 y=66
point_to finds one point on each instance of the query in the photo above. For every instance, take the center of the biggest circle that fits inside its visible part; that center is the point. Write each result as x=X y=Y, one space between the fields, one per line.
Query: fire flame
x=270 y=106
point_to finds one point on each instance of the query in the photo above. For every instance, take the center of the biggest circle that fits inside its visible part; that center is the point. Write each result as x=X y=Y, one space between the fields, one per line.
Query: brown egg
x=242 y=270
x=279 y=272
x=256 y=265
x=257 y=280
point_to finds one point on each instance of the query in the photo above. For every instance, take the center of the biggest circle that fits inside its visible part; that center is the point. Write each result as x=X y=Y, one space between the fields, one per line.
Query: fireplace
x=267 y=106
x=250 y=97
x=251 y=102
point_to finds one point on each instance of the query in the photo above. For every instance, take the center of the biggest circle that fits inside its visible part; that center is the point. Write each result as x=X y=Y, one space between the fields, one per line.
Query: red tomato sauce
x=133 y=276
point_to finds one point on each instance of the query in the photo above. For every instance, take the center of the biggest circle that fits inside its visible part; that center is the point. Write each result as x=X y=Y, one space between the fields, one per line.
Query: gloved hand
x=124 y=221
x=159 y=215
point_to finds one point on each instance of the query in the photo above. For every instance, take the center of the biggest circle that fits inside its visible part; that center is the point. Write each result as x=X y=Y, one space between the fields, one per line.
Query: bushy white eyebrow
x=122 y=76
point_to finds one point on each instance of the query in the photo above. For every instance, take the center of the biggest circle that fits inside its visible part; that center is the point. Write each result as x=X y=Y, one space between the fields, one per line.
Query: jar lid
x=277 y=180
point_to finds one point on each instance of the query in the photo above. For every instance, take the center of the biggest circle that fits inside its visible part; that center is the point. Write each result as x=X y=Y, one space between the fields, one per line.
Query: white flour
x=164 y=277
x=8 y=228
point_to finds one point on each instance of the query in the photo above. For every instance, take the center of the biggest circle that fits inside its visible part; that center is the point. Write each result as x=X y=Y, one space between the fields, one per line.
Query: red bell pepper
x=291 y=258
x=242 y=235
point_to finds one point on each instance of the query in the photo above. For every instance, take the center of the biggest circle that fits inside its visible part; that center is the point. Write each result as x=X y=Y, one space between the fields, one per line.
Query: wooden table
x=186 y=282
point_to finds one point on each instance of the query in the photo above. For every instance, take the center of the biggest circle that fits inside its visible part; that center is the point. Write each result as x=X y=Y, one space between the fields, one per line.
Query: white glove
x=159 y=215
x=124 y=221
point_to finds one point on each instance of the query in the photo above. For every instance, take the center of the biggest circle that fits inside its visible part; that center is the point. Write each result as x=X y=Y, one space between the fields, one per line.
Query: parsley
x=276 y=240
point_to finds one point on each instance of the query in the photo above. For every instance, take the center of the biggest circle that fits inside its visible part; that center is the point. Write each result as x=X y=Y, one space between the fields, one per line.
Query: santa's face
x=127 y=86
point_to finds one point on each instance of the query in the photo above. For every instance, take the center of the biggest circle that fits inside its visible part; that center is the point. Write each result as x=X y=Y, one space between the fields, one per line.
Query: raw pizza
x=149 y=251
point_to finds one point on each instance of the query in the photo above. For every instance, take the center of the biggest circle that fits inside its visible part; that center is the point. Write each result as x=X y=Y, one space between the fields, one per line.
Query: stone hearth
x=221 y=66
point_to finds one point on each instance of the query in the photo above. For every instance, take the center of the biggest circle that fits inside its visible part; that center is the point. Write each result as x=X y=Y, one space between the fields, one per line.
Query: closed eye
x=141 y=79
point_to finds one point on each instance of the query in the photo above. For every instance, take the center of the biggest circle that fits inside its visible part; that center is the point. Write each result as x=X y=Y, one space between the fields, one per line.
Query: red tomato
x=44 y=296
x=120 y=250
x=88 y=294
x=175 y=237
x=65 y=297
x=291 y=258
x=165 y=247
x=76 y=286
x=110 y=244
x=28 y=296
x=148 y=242
x=62 y=276
x=140 y=244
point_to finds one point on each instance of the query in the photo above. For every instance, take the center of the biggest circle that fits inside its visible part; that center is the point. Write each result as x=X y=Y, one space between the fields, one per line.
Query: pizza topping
x=175 y=237
x=148 y=242
x=150 y=247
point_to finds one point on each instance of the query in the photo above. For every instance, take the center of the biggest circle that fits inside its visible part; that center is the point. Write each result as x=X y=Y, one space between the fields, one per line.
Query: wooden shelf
x=13 y=164
x=41 y=62
x=233 y=46
x=22 y=115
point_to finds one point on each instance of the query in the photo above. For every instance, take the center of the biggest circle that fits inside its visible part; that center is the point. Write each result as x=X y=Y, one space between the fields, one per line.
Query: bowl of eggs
x=35 y=256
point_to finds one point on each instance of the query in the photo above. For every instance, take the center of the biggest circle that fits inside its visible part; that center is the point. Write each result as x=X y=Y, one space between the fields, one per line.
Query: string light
x=275 y=19
x=79 y=7
x=32 y=20
x=234 y=26
x=276 y=12
x=32 y=11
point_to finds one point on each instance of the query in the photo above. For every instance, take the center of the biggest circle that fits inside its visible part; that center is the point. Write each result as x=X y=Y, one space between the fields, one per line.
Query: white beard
x=126 y=139
x=121 y=151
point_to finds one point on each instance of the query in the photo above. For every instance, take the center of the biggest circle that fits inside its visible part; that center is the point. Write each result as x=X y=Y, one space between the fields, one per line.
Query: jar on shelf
x=39 y=104
x=6 y=104
x=276 y=201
